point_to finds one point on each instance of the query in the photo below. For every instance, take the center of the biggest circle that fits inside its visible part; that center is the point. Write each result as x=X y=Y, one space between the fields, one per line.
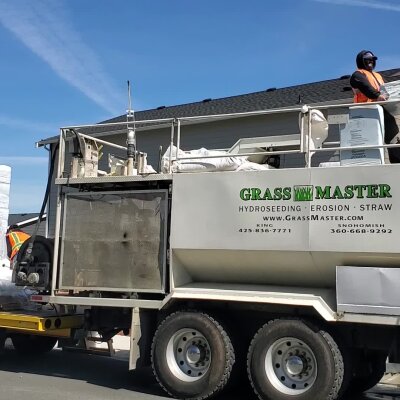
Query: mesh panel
x=114 y=241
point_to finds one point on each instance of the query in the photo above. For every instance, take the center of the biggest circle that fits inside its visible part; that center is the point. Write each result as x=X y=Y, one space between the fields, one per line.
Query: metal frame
x=114 y=179
x=257 y=296
x=98 y=301
x=178 y=123
x=185 y=293
x=281 y=298
x=111 y=289
x=41 y=323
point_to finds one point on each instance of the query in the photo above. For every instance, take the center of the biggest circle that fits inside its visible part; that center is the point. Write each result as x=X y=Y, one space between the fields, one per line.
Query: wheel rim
x=188 y=355
x=291 y=366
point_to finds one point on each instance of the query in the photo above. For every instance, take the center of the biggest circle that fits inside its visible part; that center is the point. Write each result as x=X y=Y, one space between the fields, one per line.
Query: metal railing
x=176 y=127
x=304 y=146
x=352 y=148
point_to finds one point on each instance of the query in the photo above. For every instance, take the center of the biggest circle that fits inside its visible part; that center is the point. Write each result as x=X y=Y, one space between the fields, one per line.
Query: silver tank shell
x=288 y=227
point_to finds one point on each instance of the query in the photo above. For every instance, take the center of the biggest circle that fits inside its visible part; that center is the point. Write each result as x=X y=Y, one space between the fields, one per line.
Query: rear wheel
x=192 y=355
x=42 y=252
x=289 y=360
x=3 y=337
x=32 y=344
x=371 y=368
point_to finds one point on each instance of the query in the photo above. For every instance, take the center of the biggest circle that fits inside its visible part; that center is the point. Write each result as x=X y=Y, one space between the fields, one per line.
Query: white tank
x=284 y=227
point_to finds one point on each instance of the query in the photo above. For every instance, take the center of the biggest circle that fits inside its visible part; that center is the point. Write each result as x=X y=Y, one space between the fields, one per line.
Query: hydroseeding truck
x=231 y=261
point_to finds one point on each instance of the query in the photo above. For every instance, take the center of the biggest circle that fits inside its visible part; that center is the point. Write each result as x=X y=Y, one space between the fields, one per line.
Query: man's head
x=366 y=60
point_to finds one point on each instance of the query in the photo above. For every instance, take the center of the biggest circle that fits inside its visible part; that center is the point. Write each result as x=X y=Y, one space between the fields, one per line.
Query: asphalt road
x=74 y=376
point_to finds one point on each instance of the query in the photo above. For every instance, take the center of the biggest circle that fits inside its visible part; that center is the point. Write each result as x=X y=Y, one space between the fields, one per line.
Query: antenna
x=130 y=113
x=131 y=135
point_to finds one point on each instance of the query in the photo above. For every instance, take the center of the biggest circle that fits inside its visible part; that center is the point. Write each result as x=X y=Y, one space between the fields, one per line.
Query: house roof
x=27 y=222
x=311 y=93
x=24 y=219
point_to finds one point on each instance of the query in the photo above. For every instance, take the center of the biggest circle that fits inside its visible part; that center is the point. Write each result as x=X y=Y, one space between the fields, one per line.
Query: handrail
x=305 y=135
x=352 y=148
x=347 y=105
x=176 y=125
x=228 y=155
x=116 y=146
x=243 y=114
x=303 y=110
x=148 y=121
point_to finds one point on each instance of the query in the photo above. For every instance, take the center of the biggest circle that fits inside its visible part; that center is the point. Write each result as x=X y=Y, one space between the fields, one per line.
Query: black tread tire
x=377 y=368
x=42 y=251
x=44 y=243
x=3 y=337
x=328 y=356
x=32 y=344
x=222 y=356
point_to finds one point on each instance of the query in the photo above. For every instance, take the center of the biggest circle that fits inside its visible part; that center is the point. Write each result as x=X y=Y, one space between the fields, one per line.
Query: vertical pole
x=131 y=136
x=60 y=168
x=171 y=146
x=302 y=131
x=61 y=155
x=178 y=139
x=56 y=242
x=308 y=164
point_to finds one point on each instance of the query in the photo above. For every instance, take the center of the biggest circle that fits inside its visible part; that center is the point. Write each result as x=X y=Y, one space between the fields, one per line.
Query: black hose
x=80 y=153
x=31 y=240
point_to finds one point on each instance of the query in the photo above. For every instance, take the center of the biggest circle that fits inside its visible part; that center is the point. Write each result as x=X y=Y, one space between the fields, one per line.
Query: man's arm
x=360 y=81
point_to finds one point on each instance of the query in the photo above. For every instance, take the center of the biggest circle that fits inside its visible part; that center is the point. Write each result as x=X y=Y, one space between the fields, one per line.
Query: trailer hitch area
x=35 y=274
x=33 y=268
x=21 y=275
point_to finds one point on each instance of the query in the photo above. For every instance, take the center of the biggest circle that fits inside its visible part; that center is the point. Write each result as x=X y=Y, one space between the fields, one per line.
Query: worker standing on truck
x=368 y=86
x=15 y=239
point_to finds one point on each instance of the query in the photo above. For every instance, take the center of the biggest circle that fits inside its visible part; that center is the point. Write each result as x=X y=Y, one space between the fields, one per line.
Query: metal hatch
x=114 y=241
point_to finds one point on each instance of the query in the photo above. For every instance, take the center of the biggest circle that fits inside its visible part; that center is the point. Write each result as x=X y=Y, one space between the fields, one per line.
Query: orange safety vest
x=374 y=79
x=16 y=239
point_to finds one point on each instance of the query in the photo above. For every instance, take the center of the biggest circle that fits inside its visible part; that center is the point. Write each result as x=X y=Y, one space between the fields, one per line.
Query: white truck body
x=301 y=265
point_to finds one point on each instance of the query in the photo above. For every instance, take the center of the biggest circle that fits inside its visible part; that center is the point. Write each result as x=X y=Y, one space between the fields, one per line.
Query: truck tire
x=287 y=359
x=374 y=365
x=3 y=337
x=32 y=344
x=42 y=250
x=192 y=355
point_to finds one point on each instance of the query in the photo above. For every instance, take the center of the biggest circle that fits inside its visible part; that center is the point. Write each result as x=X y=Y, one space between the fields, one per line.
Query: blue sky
x=67 y=61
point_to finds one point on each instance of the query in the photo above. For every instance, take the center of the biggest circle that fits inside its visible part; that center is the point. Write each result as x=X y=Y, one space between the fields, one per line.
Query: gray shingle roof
x=310 y=93
x=317 y=92
x=29 y=225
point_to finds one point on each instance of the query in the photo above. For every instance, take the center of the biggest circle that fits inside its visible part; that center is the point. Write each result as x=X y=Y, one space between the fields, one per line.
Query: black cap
x=369 y=56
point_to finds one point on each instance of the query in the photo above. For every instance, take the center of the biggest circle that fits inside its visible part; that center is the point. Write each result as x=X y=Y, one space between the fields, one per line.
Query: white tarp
x=11 y=297
x=393 y=89
x=203 y=164
x=5 y=179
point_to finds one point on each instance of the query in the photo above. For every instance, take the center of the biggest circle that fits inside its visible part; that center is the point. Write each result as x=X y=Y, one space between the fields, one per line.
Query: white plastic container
x=5 y=180
x=365 y=128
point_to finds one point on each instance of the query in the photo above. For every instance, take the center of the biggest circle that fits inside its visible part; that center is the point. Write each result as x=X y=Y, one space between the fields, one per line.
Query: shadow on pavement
x=114 y=374
x=97 y=370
